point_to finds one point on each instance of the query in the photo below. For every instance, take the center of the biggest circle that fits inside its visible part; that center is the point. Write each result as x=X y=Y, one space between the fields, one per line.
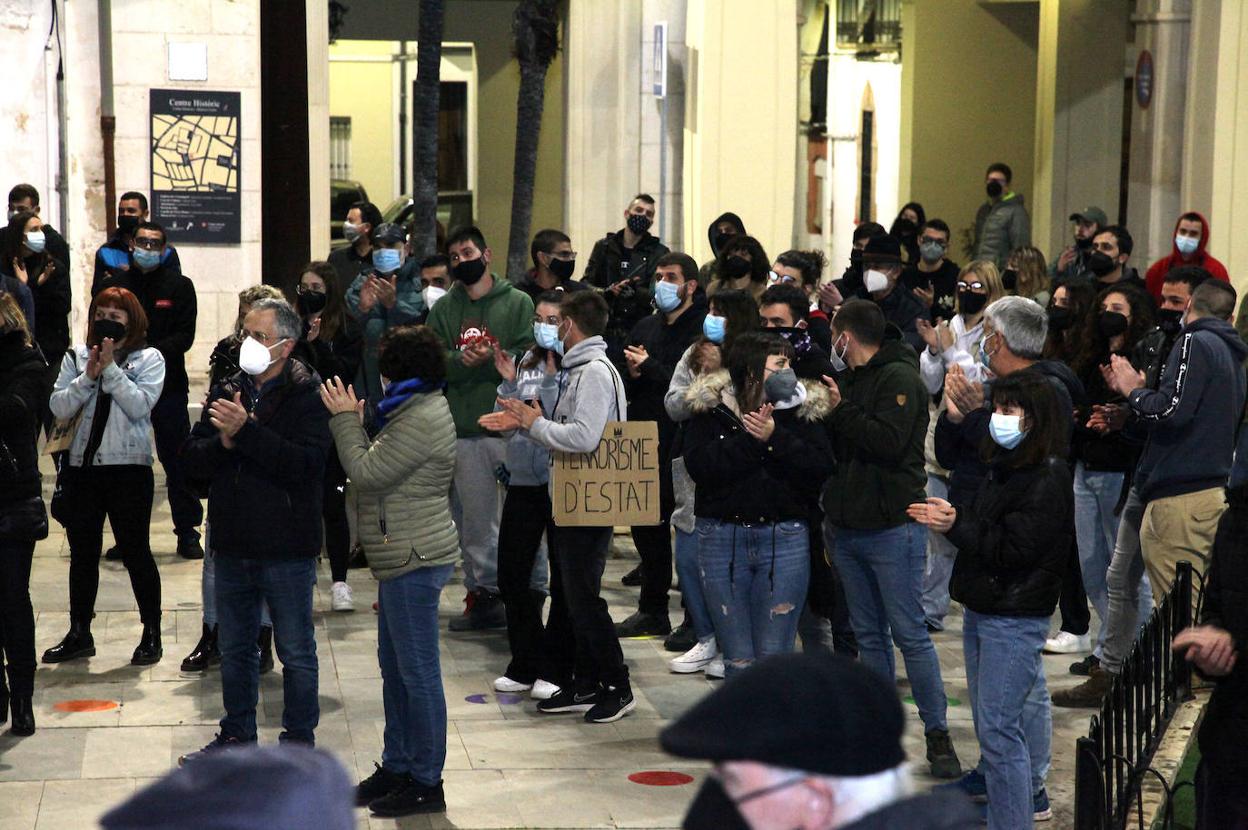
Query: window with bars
x=340 y=146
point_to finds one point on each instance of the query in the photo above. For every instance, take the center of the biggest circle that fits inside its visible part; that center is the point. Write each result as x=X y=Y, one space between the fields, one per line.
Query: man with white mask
x=262 y=444
x=881 y=273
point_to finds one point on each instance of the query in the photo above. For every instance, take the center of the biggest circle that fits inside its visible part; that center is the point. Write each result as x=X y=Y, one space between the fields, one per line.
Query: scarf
x=398 y=393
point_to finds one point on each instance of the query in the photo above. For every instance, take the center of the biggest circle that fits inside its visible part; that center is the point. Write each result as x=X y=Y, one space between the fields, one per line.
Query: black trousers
x=1073 y=601
x=123 y=494
x=583 y=555
x=1221 y=803
x=17 y=618
x=172 y=424
x=537 y=652
x=49 y=381
x=334 y=511
x=654 y=546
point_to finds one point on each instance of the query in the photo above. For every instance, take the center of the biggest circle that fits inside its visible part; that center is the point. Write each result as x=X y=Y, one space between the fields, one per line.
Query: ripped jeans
x=754 y=578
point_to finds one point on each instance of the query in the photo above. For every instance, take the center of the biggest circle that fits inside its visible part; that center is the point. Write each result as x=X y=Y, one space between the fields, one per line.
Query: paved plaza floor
x=506 y=765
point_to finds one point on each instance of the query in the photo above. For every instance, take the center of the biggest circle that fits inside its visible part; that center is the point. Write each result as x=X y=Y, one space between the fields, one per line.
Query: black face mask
x=1170 y=320
x=1060 y=318
x=638 y=223
x=1009 y=279
x=1083 y=244
x=735 y=267
x=562 y=268
x=904 y=229
x=721 y=239
x=971 y=303
x=995 y=189
x=109 y=329
x=127 y=224
x=470 y=271
x=311 y=302
x=1101 y=263
x=1112 y=324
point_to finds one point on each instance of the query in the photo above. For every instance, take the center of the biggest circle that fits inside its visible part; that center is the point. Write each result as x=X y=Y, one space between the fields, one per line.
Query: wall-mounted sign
x=1144 y=79
x=659 y=60
x=195 y=164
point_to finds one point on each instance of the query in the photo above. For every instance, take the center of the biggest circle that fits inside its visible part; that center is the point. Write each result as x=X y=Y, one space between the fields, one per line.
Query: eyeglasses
x=309 y=289
x=552 y=319
x=973 y=286
x=762 y=792
x=564 y=255
x=147 y=243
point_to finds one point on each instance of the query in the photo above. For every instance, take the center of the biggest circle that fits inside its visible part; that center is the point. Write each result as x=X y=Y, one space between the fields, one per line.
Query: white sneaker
x=695 y=659
x=506 y=684
x=543 y=690
x=341 y=597
x=715 y=668
x=1067 y=643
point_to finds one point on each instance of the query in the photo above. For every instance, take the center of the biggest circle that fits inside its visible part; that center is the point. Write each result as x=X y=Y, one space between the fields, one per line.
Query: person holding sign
x=758 y=455
x=594 y=396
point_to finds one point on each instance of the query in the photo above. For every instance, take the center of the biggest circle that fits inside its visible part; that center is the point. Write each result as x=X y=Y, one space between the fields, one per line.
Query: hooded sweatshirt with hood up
x=1158 y=270
x=710 y=268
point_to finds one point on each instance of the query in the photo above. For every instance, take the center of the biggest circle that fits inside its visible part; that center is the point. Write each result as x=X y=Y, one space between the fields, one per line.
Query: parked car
x=454 y=209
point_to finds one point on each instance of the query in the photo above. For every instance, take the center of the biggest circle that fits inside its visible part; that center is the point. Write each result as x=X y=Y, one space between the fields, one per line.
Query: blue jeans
x=940 y=556
x=411 y=673
x=1096 y=528
x=1005 y=653
x=208 y=587
x=691 y=584
x=883 y=574
x=755 y=578
x=243 y=586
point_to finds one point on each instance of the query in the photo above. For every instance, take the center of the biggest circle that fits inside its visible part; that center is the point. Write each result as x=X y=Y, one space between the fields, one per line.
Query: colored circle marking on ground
x=953 y=701
x=475 y=698
x=85 y=705
x=660 y=778
x=508 y=700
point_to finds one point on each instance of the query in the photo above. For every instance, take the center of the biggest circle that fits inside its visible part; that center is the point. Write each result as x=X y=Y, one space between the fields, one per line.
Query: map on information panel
x=195 y=164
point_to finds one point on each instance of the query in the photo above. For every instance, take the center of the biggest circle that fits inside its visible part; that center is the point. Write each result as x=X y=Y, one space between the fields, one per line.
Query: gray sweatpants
x=476 y=488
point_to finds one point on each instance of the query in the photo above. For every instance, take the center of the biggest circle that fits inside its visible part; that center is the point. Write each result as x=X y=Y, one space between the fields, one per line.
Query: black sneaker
x=632 y=579
x=113 y=554
x=221 y=743
x=569 y=700
x=189 y=547
x=1084 y=667
x=941 y=755
x=614 y=702
x=681 y=639
x=486 y=613
x=410 y=800
x=644 y=625
x=381 y=783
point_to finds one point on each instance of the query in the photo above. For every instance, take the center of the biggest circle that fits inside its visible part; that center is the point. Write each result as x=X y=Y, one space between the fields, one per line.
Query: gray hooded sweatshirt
x=594 y=395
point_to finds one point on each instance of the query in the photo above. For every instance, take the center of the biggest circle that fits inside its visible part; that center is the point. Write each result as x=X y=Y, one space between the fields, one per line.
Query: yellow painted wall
x=1230 y=146
x=364 y=91
x=741 y=119
x=968 y=99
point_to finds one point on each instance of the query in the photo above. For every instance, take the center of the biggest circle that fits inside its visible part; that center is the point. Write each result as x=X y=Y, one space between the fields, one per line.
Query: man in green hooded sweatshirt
x=479 y=311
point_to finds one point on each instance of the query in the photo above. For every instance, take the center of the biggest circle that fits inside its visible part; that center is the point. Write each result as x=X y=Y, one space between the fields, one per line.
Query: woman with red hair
x=109 y=385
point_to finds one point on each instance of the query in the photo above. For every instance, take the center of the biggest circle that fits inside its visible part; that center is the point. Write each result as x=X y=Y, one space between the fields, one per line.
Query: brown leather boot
x=1089 y=694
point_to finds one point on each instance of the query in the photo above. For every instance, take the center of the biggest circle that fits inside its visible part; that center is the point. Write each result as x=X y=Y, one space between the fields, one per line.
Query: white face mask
x=875 y=281
x=431 y=294
x=254 y=358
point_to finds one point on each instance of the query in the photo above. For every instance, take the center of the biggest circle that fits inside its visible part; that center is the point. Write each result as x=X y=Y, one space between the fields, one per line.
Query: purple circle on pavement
x=509 y=700
x=475 y=698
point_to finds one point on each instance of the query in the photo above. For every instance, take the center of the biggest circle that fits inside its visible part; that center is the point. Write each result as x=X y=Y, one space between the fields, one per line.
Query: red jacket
x=1158 y=270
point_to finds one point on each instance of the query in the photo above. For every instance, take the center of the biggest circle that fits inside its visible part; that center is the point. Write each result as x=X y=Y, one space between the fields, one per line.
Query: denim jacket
x=134 y=385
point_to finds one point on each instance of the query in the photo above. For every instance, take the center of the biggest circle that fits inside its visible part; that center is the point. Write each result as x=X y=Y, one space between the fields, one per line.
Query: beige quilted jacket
x=400 y=485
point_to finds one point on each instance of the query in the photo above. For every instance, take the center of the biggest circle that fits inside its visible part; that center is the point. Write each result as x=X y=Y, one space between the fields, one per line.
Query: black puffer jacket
x=739 y=478
x=1014 y=542
x=607 y=267
x=1224 y=733
x=21 y=393
x=665 y=344
x=264 y=500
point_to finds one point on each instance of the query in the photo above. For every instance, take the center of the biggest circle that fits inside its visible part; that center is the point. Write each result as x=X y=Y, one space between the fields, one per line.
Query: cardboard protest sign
x=615 y=485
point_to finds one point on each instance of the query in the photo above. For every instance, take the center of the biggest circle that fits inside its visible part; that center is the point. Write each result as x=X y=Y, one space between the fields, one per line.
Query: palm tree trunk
x=529 y=105
x=425 y=128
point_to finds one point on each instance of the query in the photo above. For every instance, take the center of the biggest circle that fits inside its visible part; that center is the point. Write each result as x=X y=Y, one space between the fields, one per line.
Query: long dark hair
x=740 y=314
x=13 y=239
x=760 y=265
x=1047 y=426
x=334 y=317
x=1065 y=345
x=745 y=362
x=1094 y=346
x=537 y=355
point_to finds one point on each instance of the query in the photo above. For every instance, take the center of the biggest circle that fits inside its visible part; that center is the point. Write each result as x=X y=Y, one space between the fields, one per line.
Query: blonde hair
x=1032 y=274
x=251 y=295
x=985 y=271
x=11 y=316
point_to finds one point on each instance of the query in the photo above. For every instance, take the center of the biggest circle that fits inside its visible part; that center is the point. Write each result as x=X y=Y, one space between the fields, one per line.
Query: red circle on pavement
x=660 y=778
x=85 y=705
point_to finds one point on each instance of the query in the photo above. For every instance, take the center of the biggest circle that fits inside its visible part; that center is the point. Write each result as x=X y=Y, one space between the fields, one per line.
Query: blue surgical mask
x=387 y=260
x=1186 y=245
x=714 y=328
x=984 y=359
x=666 y=296
x=547 y=336
x=145 y=259
x=1006 y=430
x=36 y=241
